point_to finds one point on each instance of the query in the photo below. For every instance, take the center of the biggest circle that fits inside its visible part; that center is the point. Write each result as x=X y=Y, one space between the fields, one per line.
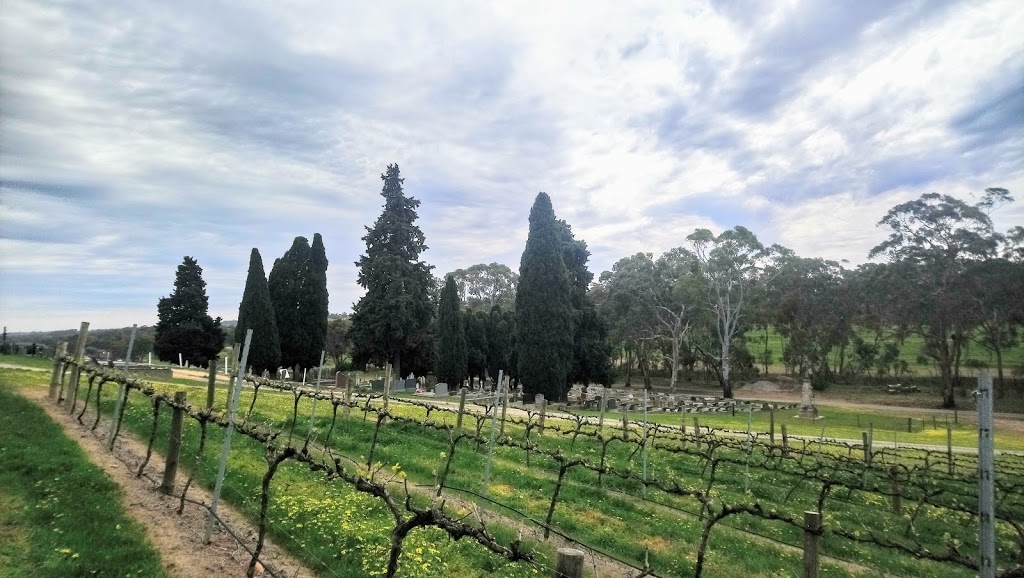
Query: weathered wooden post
x=812 y=529
x=211 y=383
x=348 y=396
x=543 y=413
x=76 y=371
x=173 y=445
x=604 y=406
x=785 y=440
x=625 y=422
x=771 y=425
x=867 y=448
x=696 y=430
x=462 y=406
x=504 y=406
x=949 y=450
x=58 y=364
x=569 y=563
x=910 y=425
x=897 y=502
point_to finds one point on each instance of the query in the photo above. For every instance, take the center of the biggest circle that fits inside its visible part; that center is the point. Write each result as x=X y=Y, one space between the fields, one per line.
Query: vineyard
x=366 y=484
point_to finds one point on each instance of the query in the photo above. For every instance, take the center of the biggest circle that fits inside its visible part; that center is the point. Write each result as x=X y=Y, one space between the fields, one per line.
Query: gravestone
x=441 y=389
x=807 y=407
x=398 y=385
x=377 y=385
x=538 y=399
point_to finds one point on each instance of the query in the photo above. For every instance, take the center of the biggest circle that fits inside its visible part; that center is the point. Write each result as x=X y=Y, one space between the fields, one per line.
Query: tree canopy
x=184 y=326
x=450 y=365
x=256 y=312
x=544 y=312
x=298 y=290
x=391 y=322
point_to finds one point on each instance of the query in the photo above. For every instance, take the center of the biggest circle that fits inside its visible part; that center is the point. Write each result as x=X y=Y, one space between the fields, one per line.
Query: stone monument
x=807 y=407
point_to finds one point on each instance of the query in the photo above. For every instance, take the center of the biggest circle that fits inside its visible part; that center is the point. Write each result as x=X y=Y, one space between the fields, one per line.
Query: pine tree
x=256 y=312
x=390 y=323
x=451 y=363
x=184 y=325
x=544 y=314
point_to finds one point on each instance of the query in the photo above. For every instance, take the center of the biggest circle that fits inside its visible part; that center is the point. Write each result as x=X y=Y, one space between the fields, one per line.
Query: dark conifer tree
x=592 y=353
x=287 y=284
x=544 y=314
x=184 y=326
x=313 y=305
x=450 y=366
x=391 y=322
x=499 y=341
x=256 y=312
x=475 y=323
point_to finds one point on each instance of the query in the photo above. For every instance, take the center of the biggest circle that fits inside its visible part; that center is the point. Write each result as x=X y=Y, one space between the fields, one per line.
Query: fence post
x=812 y=527
x=569 y=563
x=504 y=405
x=986 y=505
x=58 y=363
x=949 y=450
x=232 y=409
x=173 y=446
x=543 y=412
x=625 y=422
x=316 y=393
x=771 y=425
x=696 y=430
x=348 y=395
x=211 y=383
x=604 y=406
x=867 y=448
x=462 y=406
x=83 y=334
x=490 y=445
x=785 y=440
x=897 y=502
x=910 y=425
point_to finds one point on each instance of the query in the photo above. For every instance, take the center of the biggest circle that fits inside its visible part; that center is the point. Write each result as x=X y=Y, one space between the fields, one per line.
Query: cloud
x=137 y=134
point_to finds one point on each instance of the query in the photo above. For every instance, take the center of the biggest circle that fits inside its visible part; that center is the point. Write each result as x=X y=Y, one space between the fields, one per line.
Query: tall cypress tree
x=498 y=343
x=313 y=306
x=256 y=312
x=451 y=362
x=544 y=313
x=592 y=353
x=286 y=285
x=183 y=325
x=391 y=321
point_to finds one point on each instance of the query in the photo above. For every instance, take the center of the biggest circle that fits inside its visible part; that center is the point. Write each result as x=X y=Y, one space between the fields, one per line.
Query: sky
x=133 y=134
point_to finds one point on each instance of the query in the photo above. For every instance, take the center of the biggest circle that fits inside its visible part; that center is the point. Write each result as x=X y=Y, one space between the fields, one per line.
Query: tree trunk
x=726 y=386
x=629 y=364
x=675 y=364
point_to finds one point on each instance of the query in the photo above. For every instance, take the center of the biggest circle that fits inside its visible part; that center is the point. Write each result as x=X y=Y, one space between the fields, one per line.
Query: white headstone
x=441 y=389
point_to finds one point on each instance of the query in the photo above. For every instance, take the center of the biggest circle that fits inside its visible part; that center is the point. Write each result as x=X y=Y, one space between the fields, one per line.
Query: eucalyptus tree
x=483 y=286
x=629 y=306
x=933 y=240
x=730 y=266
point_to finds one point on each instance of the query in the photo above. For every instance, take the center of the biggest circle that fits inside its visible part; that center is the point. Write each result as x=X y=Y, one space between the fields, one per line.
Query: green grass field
x=59 y=514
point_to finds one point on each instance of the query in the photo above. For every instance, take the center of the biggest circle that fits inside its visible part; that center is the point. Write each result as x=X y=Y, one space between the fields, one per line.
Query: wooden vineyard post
x=625 y=422
x=173 y=445
x=696 y=430
x=543 y=412
x=494 y=423
x=812 y=528
x=569 y=563
x=232 y=409
x=58 y=364
x=122 y=393
x=771 y=425
x=504 y=406
x=949 y=450
x=72 y=390
x=897 y=502
x=211 y=383
x=785 y=440
x=348 y=395
x=604 y=406
x=462 y=407
x=910 y=425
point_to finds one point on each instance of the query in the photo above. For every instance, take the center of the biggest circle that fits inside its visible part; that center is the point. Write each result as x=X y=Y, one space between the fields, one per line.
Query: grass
x=28 y=361
x=59 y=514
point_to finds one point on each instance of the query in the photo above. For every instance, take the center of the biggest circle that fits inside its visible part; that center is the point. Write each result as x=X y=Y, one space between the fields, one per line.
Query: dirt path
x=179 y=539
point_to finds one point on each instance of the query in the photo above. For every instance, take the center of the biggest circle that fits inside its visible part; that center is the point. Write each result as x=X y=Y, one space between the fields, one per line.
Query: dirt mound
x=761 y=386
